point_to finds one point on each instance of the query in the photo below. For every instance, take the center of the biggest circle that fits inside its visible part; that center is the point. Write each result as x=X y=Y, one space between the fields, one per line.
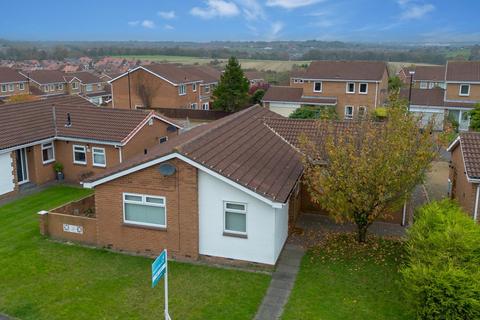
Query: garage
x=283 y=108
x=6 y=174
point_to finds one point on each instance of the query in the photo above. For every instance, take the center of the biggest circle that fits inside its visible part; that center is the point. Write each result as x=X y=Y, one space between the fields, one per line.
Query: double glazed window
x=235 y=218
x=193 y=106
x=317 y=87
x=464 y=90
x=21 y=86
x=144 y=210
x=74 y=85
x=194 y=87
x=88 y=88
x=205 y=106
x=98 y=157
x=182 y=90
x=207 y=89
x=362 y=112
x=363 y=88
x=11 y=87
x=350 y=87
x=79 y=154
x=4 y=88
x=348 y=112
x=48 y=153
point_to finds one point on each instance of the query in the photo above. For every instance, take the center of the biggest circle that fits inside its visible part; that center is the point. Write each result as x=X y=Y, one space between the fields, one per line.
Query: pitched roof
x=463 y=71
x=205 y=73
x=10 y=75
x=86 y=77
x=28 y=122
x=292 y=94
x=46 y=76
x=254 y=75
x=240 y=148
x=430 y=73
x=346 y=70
x=470 y=148
x=425 y=97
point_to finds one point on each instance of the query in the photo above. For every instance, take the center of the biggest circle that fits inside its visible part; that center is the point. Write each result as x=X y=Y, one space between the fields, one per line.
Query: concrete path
x=282 y=283
x=4 y=317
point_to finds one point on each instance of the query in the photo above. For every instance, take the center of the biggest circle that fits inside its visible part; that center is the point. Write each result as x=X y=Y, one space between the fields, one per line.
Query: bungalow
x=71 y=131
x=464 y=174
x=12 y=83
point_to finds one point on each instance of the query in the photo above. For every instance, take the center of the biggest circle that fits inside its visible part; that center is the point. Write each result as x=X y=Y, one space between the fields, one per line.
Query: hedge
x=441 y=277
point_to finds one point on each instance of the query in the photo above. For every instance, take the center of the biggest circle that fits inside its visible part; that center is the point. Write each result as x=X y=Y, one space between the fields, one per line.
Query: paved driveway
x=436 y=182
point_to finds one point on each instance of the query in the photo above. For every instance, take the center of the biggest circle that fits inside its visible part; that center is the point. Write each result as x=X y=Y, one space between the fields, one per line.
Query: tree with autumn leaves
x=368 y=168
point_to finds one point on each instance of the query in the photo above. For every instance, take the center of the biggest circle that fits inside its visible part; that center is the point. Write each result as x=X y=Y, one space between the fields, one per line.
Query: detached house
x=86 y=140
x=12 y=83
x=47 y=82
x=354 y=88
x=424 y=77
x=464 y=175
x=165 y=86
x=92 y=87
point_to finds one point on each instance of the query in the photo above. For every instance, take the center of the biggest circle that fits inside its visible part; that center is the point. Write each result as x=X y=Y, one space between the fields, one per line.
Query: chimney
x=69 y=121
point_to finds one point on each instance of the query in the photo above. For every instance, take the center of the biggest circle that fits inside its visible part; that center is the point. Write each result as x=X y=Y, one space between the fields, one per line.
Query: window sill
x=363 y=93
x=99 y=166
x=48 y=162
x=139 y=226
x=234 y=235
x=80 y=163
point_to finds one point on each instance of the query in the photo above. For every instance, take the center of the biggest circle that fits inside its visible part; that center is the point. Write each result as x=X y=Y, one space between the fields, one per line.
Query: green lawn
x=42 y=279
x=343 y=280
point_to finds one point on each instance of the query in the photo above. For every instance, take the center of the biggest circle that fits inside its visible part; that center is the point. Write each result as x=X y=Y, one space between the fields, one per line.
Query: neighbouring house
x=464 y=175
x=229 y=189
x=70 y=130
x=462 y=92
x=428 y=104
x=47 y=82
x=165 y=86
x=424 y=77
x=404 y=74
x=358 y=87
x=87 y=84
x=285 y=100
x=254 y=77
x=12 y=83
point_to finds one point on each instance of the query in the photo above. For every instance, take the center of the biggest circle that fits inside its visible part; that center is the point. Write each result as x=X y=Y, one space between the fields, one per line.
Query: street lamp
x=412 y=73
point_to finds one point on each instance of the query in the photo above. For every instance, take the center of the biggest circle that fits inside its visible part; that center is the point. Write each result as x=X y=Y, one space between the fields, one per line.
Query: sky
x=207 y=20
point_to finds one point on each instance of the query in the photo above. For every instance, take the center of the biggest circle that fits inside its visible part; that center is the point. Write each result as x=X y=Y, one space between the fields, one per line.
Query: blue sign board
x=159 y=266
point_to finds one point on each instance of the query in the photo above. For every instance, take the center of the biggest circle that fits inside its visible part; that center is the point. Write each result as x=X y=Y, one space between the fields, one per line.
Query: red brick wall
x=52 y=226
x=462 y=190
x=180 y=190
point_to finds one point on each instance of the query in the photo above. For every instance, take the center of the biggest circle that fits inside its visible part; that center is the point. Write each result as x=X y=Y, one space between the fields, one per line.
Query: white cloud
x=166 y=14
x=133 y=23
x=291 y=4
x=414 y=11
x=252 y=10
x=216 y=8
x=168 y=27
x=149 y=24
x=275 y=29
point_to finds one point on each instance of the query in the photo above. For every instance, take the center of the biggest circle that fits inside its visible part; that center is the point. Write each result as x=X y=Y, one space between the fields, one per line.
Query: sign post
x=160 y=269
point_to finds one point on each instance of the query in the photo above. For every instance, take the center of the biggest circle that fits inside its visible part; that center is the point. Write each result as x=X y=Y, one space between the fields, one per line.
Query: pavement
x=283 y=279
x=436 y=181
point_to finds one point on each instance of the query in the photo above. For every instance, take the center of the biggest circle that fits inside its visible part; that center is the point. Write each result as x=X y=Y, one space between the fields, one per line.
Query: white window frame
x=84 y=151
x=348 y=86
x=88 y=88
x=4 y=88
x=144 y=203
x=46 y=146
x=244 y=212
x=21 y=86
x=194 y=87
x=51 y=87
x=346 y=115
x=163 y=139
x=206 y=89
x=360 y=88
x=431 y=85
x=11 y=87
x=99 y=86
x=423 y=85
x=364 y=112
x=460 y=90
x=60 y=86
x=194 y=106
x=98 y=150
x=207 y=106
x=75 y=85
x=182 y=90
x=315 y=84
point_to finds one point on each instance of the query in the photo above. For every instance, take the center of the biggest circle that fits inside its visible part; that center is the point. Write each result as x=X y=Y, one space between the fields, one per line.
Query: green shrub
x=315 y=112
x=441 y=278
x=380 y=113
x=58 y=167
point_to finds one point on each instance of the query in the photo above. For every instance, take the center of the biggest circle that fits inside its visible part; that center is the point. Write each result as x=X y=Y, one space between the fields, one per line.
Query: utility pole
x=412 y=73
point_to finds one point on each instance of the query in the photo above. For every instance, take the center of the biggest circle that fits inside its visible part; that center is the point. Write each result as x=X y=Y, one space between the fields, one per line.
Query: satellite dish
x=167 y=169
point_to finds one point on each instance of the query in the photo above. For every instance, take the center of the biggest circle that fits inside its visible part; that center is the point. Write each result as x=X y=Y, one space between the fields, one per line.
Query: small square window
x=207 y=89
x=363 y=88
x=350 y=87
x=235 y=218
x=423 y=85
x=464 y=90
x=89 y=87
x=98 y=157
x=193 y=106
x=317 y=87
x=21 y=86
x=348 y=112
x=48 y=153
x=75 y=85
x=79 y=154
x=163 y=139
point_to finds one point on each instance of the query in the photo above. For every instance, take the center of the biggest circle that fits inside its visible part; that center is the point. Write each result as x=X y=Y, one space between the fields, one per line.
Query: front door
x=464 y=121
x=22 y=166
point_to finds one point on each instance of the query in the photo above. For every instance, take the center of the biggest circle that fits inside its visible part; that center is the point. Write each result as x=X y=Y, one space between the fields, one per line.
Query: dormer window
x=317 y=86
x=464 y=90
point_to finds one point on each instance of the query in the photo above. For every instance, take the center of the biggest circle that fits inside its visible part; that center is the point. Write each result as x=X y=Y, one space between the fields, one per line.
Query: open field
x=342 y=279
x=43 y=279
